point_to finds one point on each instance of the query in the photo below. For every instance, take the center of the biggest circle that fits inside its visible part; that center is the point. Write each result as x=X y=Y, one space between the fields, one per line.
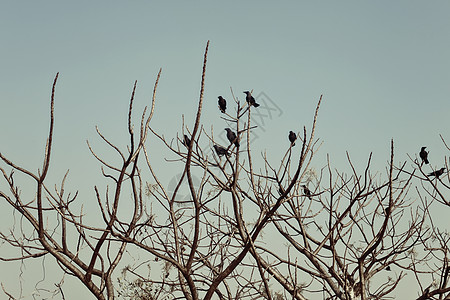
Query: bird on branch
x=437 y=173
x=232 y=137
x=306 y=192
x=292 y=137
x=424 y=155
x=187 y=141
x=222 y=104
x=250 y=100
x=221 y=151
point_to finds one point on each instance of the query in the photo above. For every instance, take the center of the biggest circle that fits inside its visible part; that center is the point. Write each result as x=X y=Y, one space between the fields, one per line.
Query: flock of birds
x=234 y=139
x=424 y=156
x=231 y=135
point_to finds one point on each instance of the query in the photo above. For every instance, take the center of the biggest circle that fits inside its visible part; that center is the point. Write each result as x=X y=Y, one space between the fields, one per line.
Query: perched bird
x=187 y=141
x=388 y=268
x=222 y=104
x=437 y=173
x=424 y=155
x=306 y=192
x=220 y=150
x=232 y=137
x=292 y=137
x=250 y=100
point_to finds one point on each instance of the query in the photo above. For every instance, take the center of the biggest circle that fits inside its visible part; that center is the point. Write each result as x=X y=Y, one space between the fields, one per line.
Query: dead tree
x=430 y=263
x=247 y=228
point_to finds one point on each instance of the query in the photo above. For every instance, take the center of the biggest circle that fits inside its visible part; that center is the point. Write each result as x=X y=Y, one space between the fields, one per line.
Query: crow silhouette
x=232 y=137
x=187 y=141
x=221 y=151
x=437 y=173
x=250 y=100
x=424 y=155
x=222 y=104
x=292 y=137
x=306 y=192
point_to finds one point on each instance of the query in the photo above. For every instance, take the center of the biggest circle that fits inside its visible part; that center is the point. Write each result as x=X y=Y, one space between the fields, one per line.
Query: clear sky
x=383 y=68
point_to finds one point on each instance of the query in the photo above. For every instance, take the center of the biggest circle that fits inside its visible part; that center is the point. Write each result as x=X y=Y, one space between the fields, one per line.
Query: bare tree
x=247 y=229
x=431 y=270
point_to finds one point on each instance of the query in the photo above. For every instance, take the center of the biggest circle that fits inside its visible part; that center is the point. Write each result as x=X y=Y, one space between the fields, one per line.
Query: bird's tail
x=255 y=104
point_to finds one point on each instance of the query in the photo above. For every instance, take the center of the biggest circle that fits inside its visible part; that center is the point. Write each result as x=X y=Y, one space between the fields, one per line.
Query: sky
x=383 y=69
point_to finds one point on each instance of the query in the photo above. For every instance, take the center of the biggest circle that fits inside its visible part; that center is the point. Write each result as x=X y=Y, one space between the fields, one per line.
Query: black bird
x=437 y=173
x=388 y=268
x=222 y=104
x=232 y=137
x=306 y=192
x=220 y=150
x=250 y=100
x=292 y=137
x=424 y=155
x=187 y=141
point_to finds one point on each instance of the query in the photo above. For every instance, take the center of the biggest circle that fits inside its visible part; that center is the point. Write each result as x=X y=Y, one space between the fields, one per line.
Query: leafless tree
x=431 y=270
x=248 y=228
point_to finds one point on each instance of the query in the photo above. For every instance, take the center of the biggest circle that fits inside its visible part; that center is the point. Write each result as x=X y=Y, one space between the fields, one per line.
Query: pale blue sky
x=383 y=68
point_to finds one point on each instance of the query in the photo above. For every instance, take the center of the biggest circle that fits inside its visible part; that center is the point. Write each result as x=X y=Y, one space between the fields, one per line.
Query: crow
x=292 y=137
x=222 y=104
x=437 y=173
x=220 y=150
x=232 y=137
x=187 y=141
x=306 y=192
x=250 y=100
x=424 y=155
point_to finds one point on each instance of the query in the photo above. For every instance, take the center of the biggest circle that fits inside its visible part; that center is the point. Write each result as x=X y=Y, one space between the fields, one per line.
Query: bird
x=187 y=141
x=222 y=104
x=306 y=191
x=424 y=155
x=388 y=268
x=232 y=137
x=250 y=100
x=292 y=137
x=220 y=150
x=437 y=173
